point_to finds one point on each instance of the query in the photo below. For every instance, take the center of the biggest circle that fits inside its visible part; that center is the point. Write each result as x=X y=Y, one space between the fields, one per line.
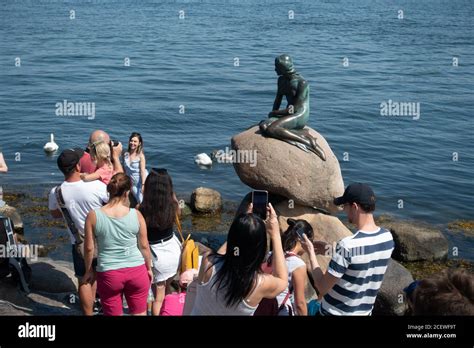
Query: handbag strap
x=67 y=217
x=284 y=301
x=178 y=226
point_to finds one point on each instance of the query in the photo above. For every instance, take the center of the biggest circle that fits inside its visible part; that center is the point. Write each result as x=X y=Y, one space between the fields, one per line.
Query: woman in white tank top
x=231 y=281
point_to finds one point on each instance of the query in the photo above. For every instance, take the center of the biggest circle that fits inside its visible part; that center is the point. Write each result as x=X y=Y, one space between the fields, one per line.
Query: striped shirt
x=360 y=262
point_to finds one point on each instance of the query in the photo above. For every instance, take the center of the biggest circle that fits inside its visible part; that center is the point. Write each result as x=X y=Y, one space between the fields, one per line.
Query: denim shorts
x=79 y=263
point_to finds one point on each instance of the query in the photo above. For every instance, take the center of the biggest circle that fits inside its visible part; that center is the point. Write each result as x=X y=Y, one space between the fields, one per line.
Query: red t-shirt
x=87 y=165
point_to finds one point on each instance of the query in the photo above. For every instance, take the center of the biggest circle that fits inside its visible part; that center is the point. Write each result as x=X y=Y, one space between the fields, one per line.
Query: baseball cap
x=68 y=159
x=356 y=193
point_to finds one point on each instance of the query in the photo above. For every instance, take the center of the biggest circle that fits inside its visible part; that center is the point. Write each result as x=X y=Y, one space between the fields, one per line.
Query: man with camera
x=73 y=200
x=87 y=164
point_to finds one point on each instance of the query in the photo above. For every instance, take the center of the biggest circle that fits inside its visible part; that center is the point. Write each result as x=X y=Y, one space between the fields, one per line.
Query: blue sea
x=214 y=61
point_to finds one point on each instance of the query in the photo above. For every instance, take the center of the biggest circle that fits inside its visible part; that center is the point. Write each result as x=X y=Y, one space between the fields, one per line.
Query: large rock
x=206 y=200
x=9 y=292
x=44 y=298
x=11 y=212
x=326 y=228
x=10 y=309
x=416 y=242
x=286 y=170
x=53 y=276
x=391 y=299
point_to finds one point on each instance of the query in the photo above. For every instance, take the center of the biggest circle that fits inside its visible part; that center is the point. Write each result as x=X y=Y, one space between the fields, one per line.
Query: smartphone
x=260 y=202
x=300 y=232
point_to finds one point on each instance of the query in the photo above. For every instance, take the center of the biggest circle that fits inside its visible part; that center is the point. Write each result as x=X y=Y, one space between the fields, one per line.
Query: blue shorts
x=79 y=264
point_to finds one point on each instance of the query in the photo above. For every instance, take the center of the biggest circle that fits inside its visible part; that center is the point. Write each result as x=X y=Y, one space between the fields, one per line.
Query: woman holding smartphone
x=231 y=281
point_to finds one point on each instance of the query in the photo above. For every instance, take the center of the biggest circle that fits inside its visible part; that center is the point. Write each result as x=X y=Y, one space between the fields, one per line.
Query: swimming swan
x=51 y=146
x=203 y=159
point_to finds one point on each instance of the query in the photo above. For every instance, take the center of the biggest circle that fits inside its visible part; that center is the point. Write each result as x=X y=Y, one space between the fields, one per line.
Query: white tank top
x=207 y=303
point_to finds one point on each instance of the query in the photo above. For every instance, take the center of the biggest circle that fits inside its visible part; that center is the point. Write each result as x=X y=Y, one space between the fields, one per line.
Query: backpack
x=189 y=251
x=14 y=265
x=269 y=306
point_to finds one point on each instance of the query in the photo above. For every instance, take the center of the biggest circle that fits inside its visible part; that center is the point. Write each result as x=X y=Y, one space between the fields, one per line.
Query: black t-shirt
x=156 y=234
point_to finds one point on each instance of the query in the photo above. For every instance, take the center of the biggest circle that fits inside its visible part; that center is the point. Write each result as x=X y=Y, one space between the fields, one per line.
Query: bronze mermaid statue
x=288 y=124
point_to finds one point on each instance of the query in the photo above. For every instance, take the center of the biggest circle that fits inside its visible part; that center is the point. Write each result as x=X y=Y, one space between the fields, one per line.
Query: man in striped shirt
x=358 y=263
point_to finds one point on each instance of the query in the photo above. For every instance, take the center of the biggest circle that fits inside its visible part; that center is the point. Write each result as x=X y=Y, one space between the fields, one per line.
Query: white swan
x=51 y=146
x=203 y=159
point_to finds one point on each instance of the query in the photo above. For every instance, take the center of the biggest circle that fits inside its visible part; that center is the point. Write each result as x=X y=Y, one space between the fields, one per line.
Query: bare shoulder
x=139 y=214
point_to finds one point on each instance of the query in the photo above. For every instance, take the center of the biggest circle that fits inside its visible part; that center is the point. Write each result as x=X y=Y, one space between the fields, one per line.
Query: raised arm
x=323 y=281
x=116 y=153
x=274 y=285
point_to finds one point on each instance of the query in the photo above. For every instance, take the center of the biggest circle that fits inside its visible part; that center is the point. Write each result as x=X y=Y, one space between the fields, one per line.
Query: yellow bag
x=189 y=251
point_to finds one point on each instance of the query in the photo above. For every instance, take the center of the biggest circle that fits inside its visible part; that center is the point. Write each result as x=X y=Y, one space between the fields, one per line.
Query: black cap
x=357 y=193
x=68 y=159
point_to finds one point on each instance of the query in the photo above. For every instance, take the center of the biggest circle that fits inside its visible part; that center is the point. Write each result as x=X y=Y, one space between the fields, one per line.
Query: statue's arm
x=278 y=98
x=277 y=102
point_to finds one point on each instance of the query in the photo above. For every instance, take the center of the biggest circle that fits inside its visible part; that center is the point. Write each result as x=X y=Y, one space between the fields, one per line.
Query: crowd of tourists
x=122 y=222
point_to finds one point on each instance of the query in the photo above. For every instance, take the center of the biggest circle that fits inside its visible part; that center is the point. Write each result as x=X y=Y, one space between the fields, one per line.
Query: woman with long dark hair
x=231 y=281
x=159 y=208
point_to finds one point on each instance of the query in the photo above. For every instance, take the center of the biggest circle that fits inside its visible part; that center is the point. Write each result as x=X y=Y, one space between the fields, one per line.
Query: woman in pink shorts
x=123 y=262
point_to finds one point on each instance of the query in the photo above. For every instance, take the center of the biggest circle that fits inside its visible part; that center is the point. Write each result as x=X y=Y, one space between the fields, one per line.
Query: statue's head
x=284 y=65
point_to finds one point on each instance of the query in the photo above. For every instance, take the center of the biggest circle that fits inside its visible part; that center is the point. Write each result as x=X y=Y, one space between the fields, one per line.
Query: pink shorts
x=133 y=282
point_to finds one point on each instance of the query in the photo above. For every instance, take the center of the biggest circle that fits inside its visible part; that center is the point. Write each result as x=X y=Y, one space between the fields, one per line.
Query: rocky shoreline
x=208 y=218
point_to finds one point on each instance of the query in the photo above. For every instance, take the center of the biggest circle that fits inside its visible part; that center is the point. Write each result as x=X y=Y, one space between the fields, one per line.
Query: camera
x=114 y=143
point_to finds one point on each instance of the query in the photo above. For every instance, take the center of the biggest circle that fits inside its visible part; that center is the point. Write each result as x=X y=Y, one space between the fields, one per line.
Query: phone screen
x=300 y=232
x=260 y=202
